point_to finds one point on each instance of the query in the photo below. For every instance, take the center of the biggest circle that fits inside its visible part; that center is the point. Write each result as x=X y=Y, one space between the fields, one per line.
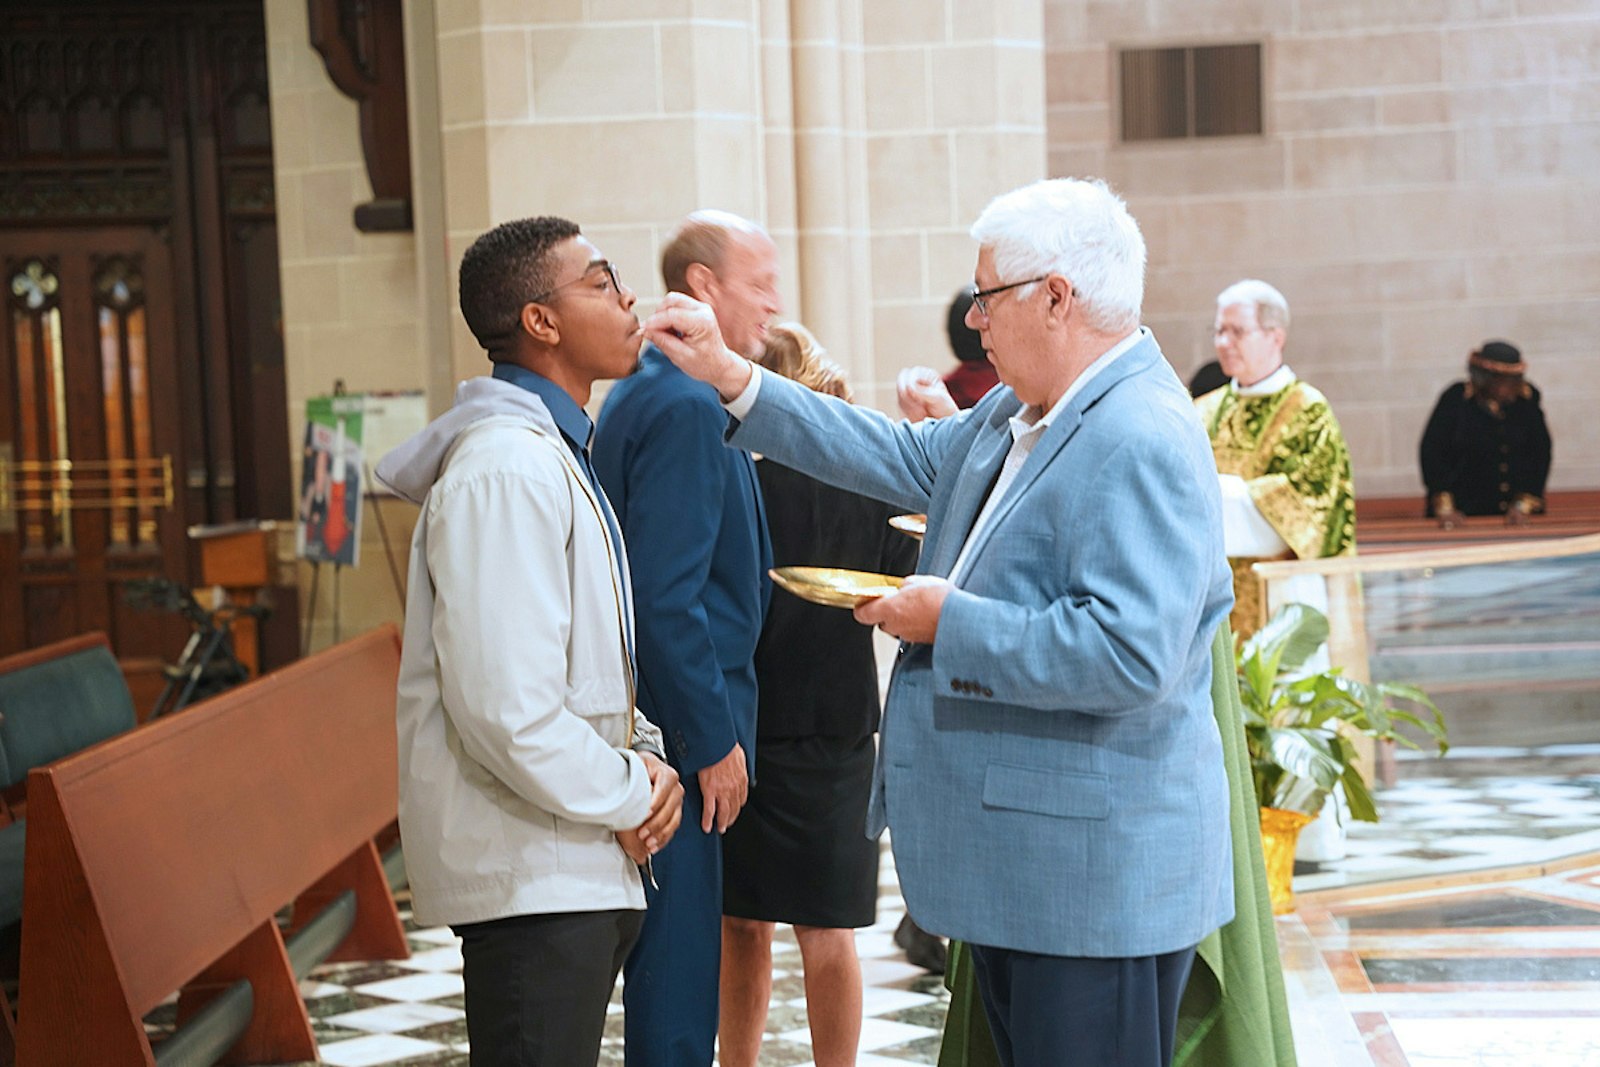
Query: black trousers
x=1061 y=1011
x=537 y=985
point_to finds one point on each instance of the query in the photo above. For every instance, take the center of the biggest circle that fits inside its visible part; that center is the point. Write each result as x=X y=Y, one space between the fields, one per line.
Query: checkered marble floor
x=1544 y=804
x=1434 y=823
x=1493 y=972
x=410 y=1011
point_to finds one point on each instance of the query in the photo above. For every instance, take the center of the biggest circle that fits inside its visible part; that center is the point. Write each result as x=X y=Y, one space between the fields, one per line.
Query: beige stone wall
x=952 y=98
x=350 y=300
x=865 y=135
x=620 y=114
x=1429 y=179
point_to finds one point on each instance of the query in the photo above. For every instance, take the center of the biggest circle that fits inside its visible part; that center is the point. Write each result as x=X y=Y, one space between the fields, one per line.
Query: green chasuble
x=1234 y=1011
x=1288 y=448
x=967 y=1041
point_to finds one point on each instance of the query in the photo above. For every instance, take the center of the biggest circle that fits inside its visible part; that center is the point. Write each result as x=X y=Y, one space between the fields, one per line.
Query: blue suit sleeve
x=675 y=504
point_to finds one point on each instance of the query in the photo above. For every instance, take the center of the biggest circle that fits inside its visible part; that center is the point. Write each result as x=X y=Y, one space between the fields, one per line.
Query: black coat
x=814 y=665
x=1485 y=460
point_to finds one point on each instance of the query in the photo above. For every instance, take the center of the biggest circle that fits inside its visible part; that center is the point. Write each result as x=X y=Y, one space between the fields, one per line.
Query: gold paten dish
x=833 y=586
x=915 y=525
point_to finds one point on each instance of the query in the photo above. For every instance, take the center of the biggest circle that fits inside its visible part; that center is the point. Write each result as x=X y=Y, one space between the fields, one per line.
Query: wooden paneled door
x=141 y=358
x=89 y=416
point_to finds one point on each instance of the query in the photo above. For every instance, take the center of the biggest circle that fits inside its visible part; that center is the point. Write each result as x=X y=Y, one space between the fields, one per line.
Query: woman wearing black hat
x=1486 y=450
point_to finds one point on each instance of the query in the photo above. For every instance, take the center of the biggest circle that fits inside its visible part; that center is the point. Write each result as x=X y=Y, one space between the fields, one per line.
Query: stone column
x=622 y=115
x=352 y=306
x=909 y=116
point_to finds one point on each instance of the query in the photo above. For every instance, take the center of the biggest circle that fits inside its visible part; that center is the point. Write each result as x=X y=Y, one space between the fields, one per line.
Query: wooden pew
x=157 y=860
x=54 y=700
x=1580 y=503
x=1397 y=524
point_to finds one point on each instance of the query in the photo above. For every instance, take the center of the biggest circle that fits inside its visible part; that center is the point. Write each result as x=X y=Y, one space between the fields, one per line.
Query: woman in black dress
x=799 y=852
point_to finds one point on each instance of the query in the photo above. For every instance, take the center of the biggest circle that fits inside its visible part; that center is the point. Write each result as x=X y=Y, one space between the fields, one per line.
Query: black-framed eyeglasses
x=980 y=297
x=605 y=265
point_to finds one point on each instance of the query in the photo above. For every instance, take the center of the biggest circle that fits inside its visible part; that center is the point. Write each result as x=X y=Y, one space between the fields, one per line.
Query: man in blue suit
x=1049 y=761
x=697 y=543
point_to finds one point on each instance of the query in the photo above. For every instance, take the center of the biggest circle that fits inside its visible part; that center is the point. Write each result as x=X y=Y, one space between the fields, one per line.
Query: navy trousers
x=670 y=981
x=1061 y=1011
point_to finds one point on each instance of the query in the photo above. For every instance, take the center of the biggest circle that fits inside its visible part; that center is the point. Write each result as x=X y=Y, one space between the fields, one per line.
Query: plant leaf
x=1357 y=795
x=1295 y=724
x=1289 y=638
x=1305 y=754
x=1300 y=794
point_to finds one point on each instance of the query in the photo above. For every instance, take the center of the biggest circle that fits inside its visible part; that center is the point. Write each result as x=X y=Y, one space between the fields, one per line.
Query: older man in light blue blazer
x=1049 y=762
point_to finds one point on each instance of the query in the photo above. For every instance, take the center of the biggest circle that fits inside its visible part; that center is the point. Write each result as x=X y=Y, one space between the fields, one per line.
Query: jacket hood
x=411 y=468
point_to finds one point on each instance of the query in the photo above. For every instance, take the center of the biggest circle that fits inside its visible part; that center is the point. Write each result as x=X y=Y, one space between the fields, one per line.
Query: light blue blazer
x=1049 y=768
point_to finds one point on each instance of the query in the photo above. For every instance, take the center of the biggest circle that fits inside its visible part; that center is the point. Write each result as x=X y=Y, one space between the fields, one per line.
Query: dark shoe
x=921 y=948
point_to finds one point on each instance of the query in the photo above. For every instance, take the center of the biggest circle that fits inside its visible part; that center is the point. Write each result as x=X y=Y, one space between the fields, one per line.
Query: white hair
x=1272 y=310
x=1079 y=229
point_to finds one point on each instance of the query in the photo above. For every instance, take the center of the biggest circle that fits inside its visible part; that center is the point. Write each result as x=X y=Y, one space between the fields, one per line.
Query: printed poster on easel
x=328 y=520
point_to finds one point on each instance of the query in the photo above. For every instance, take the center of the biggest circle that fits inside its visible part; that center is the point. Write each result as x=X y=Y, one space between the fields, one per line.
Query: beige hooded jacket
x=516 y=717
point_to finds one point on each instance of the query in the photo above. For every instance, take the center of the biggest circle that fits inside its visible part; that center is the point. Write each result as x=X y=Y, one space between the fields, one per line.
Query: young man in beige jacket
x=532 y=792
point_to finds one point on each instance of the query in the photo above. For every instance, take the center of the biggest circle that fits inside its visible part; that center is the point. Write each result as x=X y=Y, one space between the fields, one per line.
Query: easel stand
x=311 y=606
x=363 y=417
x=383 y=534
x=374 y=501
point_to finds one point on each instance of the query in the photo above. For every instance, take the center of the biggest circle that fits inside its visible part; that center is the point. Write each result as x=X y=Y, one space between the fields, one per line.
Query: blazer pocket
x=1062 y=794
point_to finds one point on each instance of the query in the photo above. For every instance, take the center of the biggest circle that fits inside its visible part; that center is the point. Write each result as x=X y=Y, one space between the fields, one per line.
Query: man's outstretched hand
x=686 y=330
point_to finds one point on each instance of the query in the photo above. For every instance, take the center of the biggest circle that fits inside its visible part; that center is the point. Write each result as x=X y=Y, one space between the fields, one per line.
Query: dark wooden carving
x=141 y=129
x=250 y=193
x=362 y=44
x=100 y=94
x=46 y=196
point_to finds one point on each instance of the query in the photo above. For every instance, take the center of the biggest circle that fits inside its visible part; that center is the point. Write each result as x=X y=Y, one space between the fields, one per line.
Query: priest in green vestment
x=1284 y=466
x=1234 y=1011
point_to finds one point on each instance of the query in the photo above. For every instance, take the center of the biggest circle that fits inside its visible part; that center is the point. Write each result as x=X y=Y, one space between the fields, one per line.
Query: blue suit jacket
x=698 y=548
x=1050 y=767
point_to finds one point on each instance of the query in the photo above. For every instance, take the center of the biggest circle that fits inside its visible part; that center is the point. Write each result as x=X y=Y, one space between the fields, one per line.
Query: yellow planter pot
x=1280 y=832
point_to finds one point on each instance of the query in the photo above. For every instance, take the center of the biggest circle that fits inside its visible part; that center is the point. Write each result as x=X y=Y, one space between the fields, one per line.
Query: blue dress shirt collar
x=573 y=422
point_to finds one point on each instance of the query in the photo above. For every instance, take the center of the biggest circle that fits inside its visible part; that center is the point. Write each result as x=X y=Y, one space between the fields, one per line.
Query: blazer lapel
x=1056 y=436
x=949 y=532
x=1062 y=428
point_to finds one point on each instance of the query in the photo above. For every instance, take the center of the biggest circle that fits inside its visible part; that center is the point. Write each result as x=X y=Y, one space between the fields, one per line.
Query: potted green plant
x=1299 y=726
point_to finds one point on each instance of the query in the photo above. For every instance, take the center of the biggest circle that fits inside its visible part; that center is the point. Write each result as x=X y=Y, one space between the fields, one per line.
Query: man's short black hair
x=503 y=269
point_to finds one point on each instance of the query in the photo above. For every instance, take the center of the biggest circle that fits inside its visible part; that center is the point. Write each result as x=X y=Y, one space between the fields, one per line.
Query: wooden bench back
x=155 y=853
x=1397 y=524
x=1569 y=505
x=58 y=699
